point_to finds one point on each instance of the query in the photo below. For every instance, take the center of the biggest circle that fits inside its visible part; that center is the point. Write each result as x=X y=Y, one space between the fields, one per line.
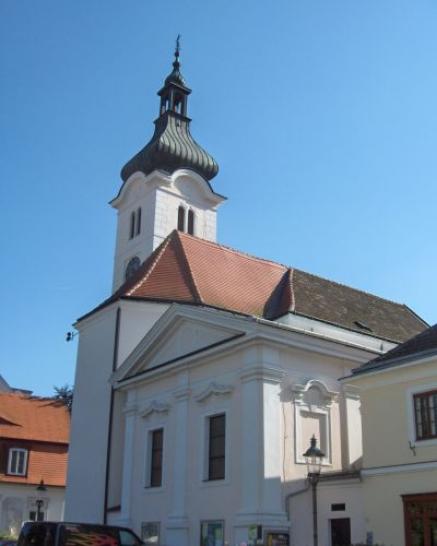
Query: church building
x=202 y=379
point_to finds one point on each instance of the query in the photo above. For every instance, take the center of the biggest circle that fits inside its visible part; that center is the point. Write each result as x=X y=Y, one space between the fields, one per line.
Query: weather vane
x=178 y=47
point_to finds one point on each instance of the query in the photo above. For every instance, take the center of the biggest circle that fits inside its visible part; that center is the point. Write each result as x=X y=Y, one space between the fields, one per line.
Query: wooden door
x=420 y=517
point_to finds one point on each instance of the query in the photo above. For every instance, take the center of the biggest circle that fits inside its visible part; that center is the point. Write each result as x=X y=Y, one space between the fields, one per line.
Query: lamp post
x=314 y=456
x=40 y=490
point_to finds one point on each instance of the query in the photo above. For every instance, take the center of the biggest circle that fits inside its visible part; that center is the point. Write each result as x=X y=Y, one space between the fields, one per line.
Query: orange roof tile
x=187 y=269
x=45 y=462
x=30 y=418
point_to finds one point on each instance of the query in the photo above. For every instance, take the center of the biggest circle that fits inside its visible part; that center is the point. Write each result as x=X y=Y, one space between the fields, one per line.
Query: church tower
x=166 y=185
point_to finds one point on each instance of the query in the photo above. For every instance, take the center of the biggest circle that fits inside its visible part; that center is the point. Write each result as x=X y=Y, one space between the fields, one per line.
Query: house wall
x=263 y=463
x=91 y=407
x=17 y=501
x=395 y=463
x=383 y=502
x=387 y=434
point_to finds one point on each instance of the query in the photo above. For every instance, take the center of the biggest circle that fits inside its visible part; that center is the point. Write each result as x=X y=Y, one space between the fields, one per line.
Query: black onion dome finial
x=172 y=147
x=176 y=76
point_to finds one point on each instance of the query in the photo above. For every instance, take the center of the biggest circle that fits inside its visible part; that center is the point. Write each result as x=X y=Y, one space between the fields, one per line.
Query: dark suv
x=48 y=533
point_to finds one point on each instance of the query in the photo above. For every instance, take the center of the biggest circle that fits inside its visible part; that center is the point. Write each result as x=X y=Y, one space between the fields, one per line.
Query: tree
x=64 y=395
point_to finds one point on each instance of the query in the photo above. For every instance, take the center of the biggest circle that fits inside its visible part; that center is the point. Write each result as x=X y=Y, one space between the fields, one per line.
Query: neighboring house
x=201 y=380
x=34 y=435
x=399 y=410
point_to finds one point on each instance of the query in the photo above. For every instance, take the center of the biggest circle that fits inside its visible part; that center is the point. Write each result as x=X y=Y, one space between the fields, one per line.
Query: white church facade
x=201 y=380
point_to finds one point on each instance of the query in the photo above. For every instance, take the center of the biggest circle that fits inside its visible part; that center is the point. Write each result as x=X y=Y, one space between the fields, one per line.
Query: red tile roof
x=30 y=418
x=40 y=425
x=192 y=270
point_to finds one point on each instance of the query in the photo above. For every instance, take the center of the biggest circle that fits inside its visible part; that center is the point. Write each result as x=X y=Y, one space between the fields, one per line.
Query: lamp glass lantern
x=314 y=457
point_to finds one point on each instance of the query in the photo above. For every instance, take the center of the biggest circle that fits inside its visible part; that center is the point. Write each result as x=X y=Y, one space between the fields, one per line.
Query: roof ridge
x=280 y=264
x=195 y=288
x=231 y=249
x=292 y=291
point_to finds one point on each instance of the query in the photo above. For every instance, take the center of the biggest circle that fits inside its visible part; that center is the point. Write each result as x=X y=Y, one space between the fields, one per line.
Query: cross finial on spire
x=178 y=49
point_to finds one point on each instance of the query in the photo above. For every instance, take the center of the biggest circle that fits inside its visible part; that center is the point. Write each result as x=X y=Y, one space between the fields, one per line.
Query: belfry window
x=138 y=221
x=181 y=218
x=191 y=222
x=132 y=226
x=135 y=223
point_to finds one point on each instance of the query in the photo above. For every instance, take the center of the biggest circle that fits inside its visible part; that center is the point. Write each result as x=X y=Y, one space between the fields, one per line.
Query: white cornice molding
x=214 y=389
x=155 y=406
x=262 y=373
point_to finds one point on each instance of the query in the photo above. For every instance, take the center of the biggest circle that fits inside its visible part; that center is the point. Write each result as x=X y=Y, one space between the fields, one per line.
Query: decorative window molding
x=312 y=405
x=213 y=389
x=301 y=394
x=154 y=461
x=155 y=407
x=413 y=440
x=17 y=461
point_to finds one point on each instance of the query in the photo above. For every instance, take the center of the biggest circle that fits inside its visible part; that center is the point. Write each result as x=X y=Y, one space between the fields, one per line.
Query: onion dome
x=172 y=147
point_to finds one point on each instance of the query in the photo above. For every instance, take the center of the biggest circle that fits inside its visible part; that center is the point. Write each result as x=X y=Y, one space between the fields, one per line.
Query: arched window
x=132 y=266
x=132 y=225
x=138 y=221
x=181 y=218
x=191 y=222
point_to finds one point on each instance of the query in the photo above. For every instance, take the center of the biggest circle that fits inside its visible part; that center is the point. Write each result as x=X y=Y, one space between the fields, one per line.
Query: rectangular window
x=212 y=533
x=425 y=415
x=216 y=447
x=156 y=450
x=17 y=462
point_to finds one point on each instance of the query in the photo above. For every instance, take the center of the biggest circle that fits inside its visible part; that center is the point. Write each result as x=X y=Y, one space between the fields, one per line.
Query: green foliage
x=64 y=394
x=6 y=536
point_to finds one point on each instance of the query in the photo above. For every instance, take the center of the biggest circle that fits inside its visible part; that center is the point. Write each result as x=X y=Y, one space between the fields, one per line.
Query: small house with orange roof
x=34 y=436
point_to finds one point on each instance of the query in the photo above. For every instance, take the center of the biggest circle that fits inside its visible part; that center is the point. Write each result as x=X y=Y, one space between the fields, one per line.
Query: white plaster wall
x=23 y=498
x=89 y=424
x=137 y=317
x=339 y=492
x=159 y=197
x=90 y=417
x=261 y=465
x=139 y=194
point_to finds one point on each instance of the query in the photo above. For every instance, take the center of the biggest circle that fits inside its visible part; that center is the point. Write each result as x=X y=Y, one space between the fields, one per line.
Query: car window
x=128 y=539
x=90 y=535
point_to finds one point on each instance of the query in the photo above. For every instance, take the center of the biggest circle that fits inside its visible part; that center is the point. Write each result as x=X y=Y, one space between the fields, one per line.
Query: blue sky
x=321 y=114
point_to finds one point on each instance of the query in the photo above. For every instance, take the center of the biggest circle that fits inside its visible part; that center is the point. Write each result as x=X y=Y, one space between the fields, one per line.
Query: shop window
x=212 y=533
x=150 y=533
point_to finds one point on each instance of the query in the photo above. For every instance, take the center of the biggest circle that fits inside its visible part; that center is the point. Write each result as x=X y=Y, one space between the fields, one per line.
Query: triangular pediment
x=182 y=332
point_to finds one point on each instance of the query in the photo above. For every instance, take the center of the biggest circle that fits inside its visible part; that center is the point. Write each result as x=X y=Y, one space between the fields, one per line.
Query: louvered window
x=425 y=412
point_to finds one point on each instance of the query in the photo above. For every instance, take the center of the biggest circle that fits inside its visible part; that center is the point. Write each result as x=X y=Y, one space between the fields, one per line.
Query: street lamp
x=40 y=490
x=314 y=456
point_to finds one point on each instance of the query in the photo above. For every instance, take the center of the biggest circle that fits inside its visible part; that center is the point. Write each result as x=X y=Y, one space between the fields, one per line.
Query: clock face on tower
x=132 y=266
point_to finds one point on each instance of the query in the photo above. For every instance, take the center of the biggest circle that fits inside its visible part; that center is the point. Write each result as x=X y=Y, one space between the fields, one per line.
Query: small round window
x=132 y=266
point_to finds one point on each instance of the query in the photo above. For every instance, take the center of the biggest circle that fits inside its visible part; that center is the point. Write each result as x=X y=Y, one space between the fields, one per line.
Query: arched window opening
x=191 y=222
x=132 y=225
x=181 y=218
x=131 y=268
x=138 y=221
